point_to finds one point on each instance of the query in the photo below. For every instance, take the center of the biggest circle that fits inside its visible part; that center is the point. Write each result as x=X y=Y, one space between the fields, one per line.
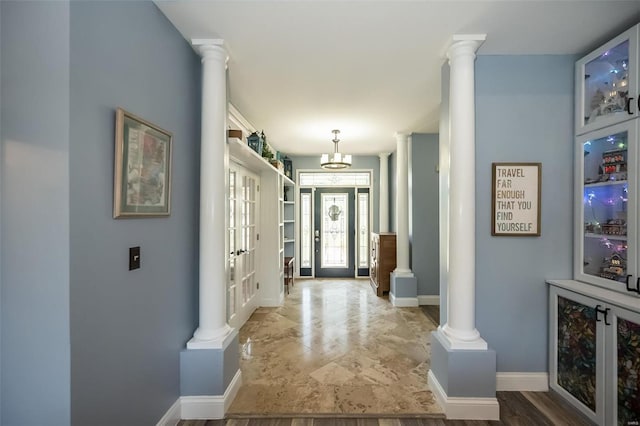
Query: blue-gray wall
x=363 y=162
x=35 y=213
x=127 y=328
x=424 y=229
x=81 y=336
x=393 y=160
x=524 y=113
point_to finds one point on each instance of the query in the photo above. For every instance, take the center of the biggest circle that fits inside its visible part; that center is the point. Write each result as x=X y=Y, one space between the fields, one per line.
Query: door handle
x=317 y=239
x=239 y=252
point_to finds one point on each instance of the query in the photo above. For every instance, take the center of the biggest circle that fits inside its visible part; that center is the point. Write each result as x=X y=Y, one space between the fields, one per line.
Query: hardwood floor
x=516 y=409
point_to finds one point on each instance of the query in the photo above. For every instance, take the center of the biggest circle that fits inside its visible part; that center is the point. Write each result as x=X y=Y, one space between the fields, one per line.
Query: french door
x=334 y=232
x=243 y=218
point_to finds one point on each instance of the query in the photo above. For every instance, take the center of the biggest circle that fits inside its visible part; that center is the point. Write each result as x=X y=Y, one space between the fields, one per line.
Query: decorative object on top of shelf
x=288 y=167
x=232 y=133
x=336 y=160
x=256 y=142
x=266 y=150
x=142 y=163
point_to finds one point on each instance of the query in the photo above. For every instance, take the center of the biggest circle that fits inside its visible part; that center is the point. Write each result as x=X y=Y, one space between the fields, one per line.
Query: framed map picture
x=142 y=168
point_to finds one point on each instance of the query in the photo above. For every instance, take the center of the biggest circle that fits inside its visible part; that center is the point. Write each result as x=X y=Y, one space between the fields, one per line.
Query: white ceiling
x=299 y=69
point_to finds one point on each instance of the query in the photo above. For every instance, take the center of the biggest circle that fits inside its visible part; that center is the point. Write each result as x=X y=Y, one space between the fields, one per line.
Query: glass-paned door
x=243 y=219
x=334 y=232
x=577 y=364
x=608 y=202
x=306 y=233
x=363 y=253
x=607 y=84
x=626 y=375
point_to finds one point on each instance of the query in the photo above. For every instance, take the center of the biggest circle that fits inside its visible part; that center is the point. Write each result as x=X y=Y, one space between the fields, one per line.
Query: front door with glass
x=334 y=232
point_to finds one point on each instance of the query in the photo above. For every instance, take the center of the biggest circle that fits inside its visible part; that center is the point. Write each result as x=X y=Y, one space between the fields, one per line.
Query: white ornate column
x=402 y=206
x=404 y=285
x=460 y=327
x=384 y=192
x=213 y=329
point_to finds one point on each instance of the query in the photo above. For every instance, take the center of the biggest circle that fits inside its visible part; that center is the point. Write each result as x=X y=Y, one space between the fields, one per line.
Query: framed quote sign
x=515 y=199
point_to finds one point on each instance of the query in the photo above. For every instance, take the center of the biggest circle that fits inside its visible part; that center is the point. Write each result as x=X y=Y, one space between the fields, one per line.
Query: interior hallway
x=334 y=347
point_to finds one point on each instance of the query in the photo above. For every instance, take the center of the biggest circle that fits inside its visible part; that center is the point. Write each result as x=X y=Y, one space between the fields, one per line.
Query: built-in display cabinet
x=594 y=326
x=595 y=352
x=607 y=84
x=606 y=208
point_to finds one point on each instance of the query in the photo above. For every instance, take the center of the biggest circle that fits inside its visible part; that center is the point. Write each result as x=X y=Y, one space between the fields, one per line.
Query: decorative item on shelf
x=614 y=267
x=592 y=228
x=231 y=133
x=615 y=227
x=288 y=167
x=277 y=164
x=614 y=161
x=255 y=142
x=267 y=154
x=336 y=160
x=285 y=191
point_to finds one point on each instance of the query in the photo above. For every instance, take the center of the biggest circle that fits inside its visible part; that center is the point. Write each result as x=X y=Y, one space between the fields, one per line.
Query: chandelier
x=336 y=160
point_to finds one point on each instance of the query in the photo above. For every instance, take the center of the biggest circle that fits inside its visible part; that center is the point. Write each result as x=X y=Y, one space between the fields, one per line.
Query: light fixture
x=336 y=160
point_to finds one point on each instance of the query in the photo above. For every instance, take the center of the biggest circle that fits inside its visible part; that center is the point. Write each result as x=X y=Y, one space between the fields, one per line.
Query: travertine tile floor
x=335 y=348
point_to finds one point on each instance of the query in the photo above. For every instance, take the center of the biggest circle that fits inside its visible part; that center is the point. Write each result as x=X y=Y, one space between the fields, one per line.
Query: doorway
x=334 y=237
x=334 y=232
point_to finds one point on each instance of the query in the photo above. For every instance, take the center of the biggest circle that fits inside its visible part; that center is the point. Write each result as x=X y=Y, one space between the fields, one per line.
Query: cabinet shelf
x=289 y=203
x=289 y=240
x=607 y=183
x=608 y=237
x=289 y=221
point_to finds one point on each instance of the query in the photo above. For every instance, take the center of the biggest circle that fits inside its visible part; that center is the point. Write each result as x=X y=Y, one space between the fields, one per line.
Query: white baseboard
x=464 y=408
x=403 y=302
x=172 y=416
x=429 y=300
x=522 y=382
x=210 y=407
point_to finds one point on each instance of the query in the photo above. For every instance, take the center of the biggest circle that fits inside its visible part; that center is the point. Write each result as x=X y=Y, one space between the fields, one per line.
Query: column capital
x=384 y=155
x=465 y=44
x=210 y=48
x=401 y=136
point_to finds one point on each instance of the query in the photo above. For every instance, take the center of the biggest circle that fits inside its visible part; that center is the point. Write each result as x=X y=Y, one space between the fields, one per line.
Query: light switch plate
x=134 y=258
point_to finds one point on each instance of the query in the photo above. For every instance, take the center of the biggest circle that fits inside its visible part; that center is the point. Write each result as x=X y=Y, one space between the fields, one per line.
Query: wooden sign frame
x=516 y=199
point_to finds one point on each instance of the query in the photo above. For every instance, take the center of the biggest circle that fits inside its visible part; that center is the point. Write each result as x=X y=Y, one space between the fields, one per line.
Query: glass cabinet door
x=577 y=367
x=607 y=198
x=626 y=367
x=607 y=84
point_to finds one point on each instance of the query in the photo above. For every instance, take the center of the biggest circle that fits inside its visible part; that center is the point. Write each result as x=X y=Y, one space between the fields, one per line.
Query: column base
x=404 y=289
x=463 y=381
x=457 y=340
x=210 y=374
x=217 y=339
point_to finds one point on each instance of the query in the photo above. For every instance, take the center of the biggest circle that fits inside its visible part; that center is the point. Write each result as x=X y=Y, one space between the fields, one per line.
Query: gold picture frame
x=142 y=168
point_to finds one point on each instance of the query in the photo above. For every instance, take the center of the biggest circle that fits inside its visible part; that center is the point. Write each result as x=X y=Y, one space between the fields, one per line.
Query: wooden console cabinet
x=383 y=260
